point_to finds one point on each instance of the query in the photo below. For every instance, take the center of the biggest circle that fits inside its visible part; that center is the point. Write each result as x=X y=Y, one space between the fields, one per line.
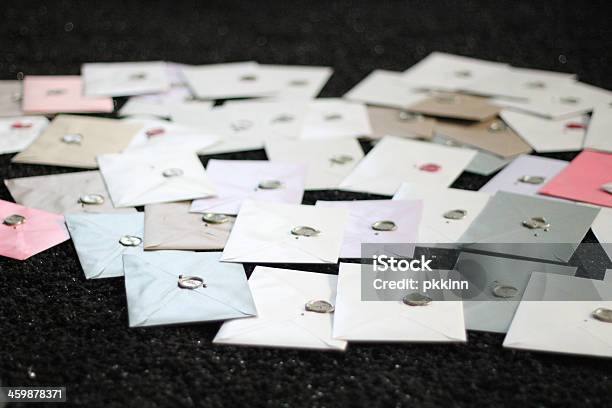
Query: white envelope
x=280 y=296
x=263 y=234
x=394 y=160
x=16 y=133
x=163 y=106
x=296 y=81
x=570 y=100
x=598 y=134
x=124 y=78
x=385 y=88
x=450 y=72
x=333 y=117
x=554 y=325
x=328 y=161
x=392 y=321
x=434 y=227
x=245 y=125
x=520 y=83
x=239 y=180
x=149 y=176
x=10 y=98
x=548 y=135
x=364 y=213
x=162 y=135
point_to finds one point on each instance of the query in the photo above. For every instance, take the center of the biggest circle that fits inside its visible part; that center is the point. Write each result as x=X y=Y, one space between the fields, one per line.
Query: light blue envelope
x=97 y=239
x=156 y=294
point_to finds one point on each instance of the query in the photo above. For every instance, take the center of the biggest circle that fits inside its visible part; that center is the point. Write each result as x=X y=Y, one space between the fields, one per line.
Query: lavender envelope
x=39 y=231
x=237 y=181
x=364 y=214
x=509 y=179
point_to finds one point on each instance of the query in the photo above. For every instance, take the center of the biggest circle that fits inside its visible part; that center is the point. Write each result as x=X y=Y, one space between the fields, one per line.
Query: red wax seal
x=430 y=167
x=155 y=132
x=21 y=125
x=575 y=125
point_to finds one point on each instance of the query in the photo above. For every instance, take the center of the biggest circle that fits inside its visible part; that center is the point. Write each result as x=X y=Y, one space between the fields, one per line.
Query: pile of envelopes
x=181 y=258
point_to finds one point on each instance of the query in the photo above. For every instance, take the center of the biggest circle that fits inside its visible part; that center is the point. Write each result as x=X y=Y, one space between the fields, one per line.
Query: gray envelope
x=483 y=310
x=10 y=98
x=499 y=227
x=62 y=193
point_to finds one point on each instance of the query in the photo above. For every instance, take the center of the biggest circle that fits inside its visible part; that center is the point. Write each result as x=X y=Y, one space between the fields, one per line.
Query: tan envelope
x=97 y=136
x=491 y=135
x=10 y=98
x=172 y=226
x=396 y=122
x=62 y=193
x=456 y=106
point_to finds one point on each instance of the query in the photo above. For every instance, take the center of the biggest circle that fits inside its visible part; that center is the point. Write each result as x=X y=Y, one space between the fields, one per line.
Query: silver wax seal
x=72 y=138
x=190 y=282
x=416 y=299
x=504 y=291
x=283 y=118
x=535 y=84
x=332 y=116
x=91 y=199
x=405 y=116
x=138 y=76
x=444 y=98
x=130 y=240
x=214 y=218
x=270 y=184
x=14 y=219
x=319 y=306
x=53 y=92
x=298 y=82
x=532 y=179
x=384 y=225
x=172 y=172
x=455 y=214
x=536 y=223
x=569 y=100
x=463 y=73
x=602 y=314
x=497 y=126
x=305 y=231
x=341 y=159
x=248 y=78
x=607 y=187
x=240 y=125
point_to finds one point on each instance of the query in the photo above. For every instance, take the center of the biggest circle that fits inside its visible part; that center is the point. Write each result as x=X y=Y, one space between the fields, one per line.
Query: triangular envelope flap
x=109 y=227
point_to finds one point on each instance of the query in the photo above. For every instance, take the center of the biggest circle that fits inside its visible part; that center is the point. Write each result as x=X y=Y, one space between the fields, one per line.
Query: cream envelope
x=75 y=141
x=364 y=214
x=149 y=176
x=83 y=191
x=547 y=135
x=230 y=80
x=562 y=326
x=259 y=180
x=102 y=239
x=245 y=125
x=447 y=212
x=491 y=135
x=296 y=82
x=162 y=135
x=25 y=231
x=10 y=98
x=520 y=83
x=285 y=233
x=530 y=226
x=570 y=100
x=455 y=106
x=392 y=321
x=385 y=88
x=170 y=287
x=332 y=117
x=125 y=78
x=525 y=175
x=397 y=122
x=584 y=179
x=328 y=161
x=598 y=135
x=172 y=226
x=450 y=72
x=394 y=160
x=17 y=133
x=53 y=94
x=282 y=320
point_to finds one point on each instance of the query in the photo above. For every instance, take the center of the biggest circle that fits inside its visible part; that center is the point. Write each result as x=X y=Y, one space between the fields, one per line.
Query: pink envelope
x=39 y=230
x=583 y=179
x=55 y=94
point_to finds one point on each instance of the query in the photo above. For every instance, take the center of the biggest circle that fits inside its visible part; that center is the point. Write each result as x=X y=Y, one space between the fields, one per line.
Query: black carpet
x=59 y=329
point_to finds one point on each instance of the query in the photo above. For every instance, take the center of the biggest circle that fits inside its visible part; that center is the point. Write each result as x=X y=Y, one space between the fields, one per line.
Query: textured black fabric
x=59 y=329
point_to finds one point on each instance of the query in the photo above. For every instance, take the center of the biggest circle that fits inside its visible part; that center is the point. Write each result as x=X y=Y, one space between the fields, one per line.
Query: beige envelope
x=491 y=135
x=75 y=141
x=456 y=106
x=63 y=193
x=172 y=226
x=396 y=122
